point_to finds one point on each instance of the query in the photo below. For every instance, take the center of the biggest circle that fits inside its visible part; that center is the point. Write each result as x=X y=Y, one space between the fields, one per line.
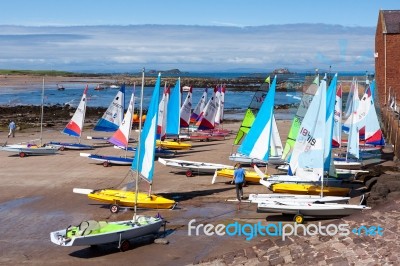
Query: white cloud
x=189 y=48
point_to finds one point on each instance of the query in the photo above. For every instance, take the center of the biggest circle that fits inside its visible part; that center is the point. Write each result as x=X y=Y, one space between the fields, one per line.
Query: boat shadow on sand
x=274 y=217
x=112 y=248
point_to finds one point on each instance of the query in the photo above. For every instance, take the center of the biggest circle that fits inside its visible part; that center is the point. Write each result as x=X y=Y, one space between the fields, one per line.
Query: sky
x=206 y=35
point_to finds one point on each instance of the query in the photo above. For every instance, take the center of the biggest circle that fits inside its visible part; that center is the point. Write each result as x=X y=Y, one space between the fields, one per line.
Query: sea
x=236 y=102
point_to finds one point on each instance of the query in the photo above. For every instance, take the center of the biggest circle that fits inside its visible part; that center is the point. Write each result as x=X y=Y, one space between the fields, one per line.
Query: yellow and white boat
x=173 y=145
x=309 y=189
x=250 y=176
x=121 y=198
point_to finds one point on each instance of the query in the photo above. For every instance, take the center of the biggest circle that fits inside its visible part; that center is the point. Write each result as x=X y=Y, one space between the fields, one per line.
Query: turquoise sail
x=143 y=161
x=256 y=144
x=174 y=108
x=330 y=108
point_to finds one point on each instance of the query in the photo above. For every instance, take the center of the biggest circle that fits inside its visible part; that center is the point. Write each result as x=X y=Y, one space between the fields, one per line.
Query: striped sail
x=143 y=162
x=162 y=114
x=359 y=109
x=186 y=109
x=199 y=107
x=256 y=144
x=252 y=111
x=218 y=96
x=207 y=117
x=121 y=136
x=298 y=118
x=247 y=122
x=174 y=106
x=337 y=123
x=114 y=114
x=75 y=125
x=308 y=150
x=373 y=132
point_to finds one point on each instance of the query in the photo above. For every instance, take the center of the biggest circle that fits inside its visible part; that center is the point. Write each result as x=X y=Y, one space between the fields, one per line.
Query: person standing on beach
x=12 y=128
x=238 y=177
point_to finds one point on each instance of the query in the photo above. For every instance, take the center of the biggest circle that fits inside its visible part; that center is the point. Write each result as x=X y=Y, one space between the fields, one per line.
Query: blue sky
x=230 y=34
x=200 y=12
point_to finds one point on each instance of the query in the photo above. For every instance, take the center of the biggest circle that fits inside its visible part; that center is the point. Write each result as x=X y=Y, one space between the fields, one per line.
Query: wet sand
x=36 y=198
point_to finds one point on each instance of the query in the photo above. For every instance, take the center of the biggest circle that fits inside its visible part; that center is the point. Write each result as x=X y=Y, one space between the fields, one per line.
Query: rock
x=163 y=241
x=380 y=189
x=393 y=195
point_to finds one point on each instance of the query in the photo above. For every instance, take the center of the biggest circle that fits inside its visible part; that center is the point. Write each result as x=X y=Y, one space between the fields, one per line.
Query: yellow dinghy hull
x=292 y=188
x=173 y=145
x=127 y=199
x=250 y=176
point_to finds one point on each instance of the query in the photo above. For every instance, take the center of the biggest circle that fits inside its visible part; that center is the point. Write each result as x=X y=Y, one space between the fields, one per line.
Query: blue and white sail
x=162 y=114
x=199 y=107
x=113 y=116
x=174 y=108
x=121 y=136
x=256 y=144
x=353 y=143
x=308 y=151
x=143 y=161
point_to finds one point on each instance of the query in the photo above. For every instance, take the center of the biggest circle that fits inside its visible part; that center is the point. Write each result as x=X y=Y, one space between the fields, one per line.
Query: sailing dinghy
x=112 y=117
x=301 y=209
x=75 y=127
x=284 y=197
x=143 y=163
x=95 y=233
x=276 y=149
x=24 y=150
x=310 y=152
x=250 y=176
x=192 y=166
x=120 y=138
x=91 y=232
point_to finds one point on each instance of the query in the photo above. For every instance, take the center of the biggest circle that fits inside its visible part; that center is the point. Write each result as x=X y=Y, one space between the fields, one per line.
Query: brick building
x=387 y=54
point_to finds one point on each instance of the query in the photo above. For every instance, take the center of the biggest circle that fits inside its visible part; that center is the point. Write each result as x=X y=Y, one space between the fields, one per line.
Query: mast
x=41 y=116
x=138 y=147
x=84 y=113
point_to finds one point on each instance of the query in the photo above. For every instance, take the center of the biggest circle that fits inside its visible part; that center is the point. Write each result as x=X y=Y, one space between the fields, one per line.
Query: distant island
x=281 y=71
x=166 y=72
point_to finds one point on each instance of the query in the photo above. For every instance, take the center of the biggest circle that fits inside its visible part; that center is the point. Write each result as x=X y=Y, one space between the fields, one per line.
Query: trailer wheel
x=114 y=208
x=298 y=218
x=189 y=173
x=106 y=164
x=62 y=148
x=125 y=245
x=22 y=154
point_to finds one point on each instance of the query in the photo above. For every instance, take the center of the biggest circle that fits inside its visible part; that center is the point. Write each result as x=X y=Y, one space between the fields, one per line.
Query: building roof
x=391 y=21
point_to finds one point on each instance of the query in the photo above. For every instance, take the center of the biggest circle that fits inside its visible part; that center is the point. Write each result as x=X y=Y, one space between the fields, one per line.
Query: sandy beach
x=36 y=198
